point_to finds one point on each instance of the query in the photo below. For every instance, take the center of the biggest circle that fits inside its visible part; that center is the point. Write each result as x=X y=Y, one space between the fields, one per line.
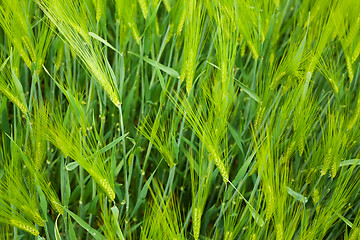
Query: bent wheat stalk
x=68 y=143
x=73 y=27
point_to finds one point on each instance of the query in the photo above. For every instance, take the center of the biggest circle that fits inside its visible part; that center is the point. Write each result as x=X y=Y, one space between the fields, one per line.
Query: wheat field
x=176 y=119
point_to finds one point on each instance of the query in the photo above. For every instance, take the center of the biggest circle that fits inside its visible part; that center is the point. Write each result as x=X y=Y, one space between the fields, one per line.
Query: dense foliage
x=175 y=119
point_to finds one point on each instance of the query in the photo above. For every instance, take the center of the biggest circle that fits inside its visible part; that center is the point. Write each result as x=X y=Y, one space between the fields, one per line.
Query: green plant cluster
x=179 y=119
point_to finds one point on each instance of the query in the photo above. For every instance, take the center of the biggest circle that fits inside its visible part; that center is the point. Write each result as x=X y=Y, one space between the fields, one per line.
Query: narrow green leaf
x=151 y=19
x=71 y=166
x=344 y=219
x=161 y=79
x=56 y=230
x=72 y=234
x=162 y=67
x=143 y=193
x=4 y=63
x=111 y=145
x=97 y=37
x=299 y=197
x=350 y=162
x=250 y=92
x=211 y=64
x=236 y=137
x=94 y=233
x=258 y=219
x=115 y=212
x=175 y=146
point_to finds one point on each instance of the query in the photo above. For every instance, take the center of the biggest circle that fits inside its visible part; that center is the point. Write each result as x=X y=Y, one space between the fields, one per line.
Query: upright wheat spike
x=333 y=170
x=253 y=50
x=316 y=198
x=349 y=67
x=327 y=163
x=279 y=231
x=270 y=202
x=289 y=152
x=196 y=222
x=181 y=23
x=356 y=52
x=310 y=175
x=228 y=235
x=190 y=69
x=259 y=117
x=99 y=9
x=301 y=144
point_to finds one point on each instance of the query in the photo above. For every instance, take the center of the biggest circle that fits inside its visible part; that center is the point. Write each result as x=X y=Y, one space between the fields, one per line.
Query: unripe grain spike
x=333 y=170
x=220 y=165
x=25 y=226
x=56 y=205
x=327 y=163
x=181 y=23
x=197 y=222
x=103 y=184
x=144 y=7
x=29 y=47
x=253 y=50
x=301 y=144
x=279 y=231
x=99 y=9
x=349 y=68
x=228 y=235
x=190 y=69
x=270 y=203
x=34 y=215
x=355 y=234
